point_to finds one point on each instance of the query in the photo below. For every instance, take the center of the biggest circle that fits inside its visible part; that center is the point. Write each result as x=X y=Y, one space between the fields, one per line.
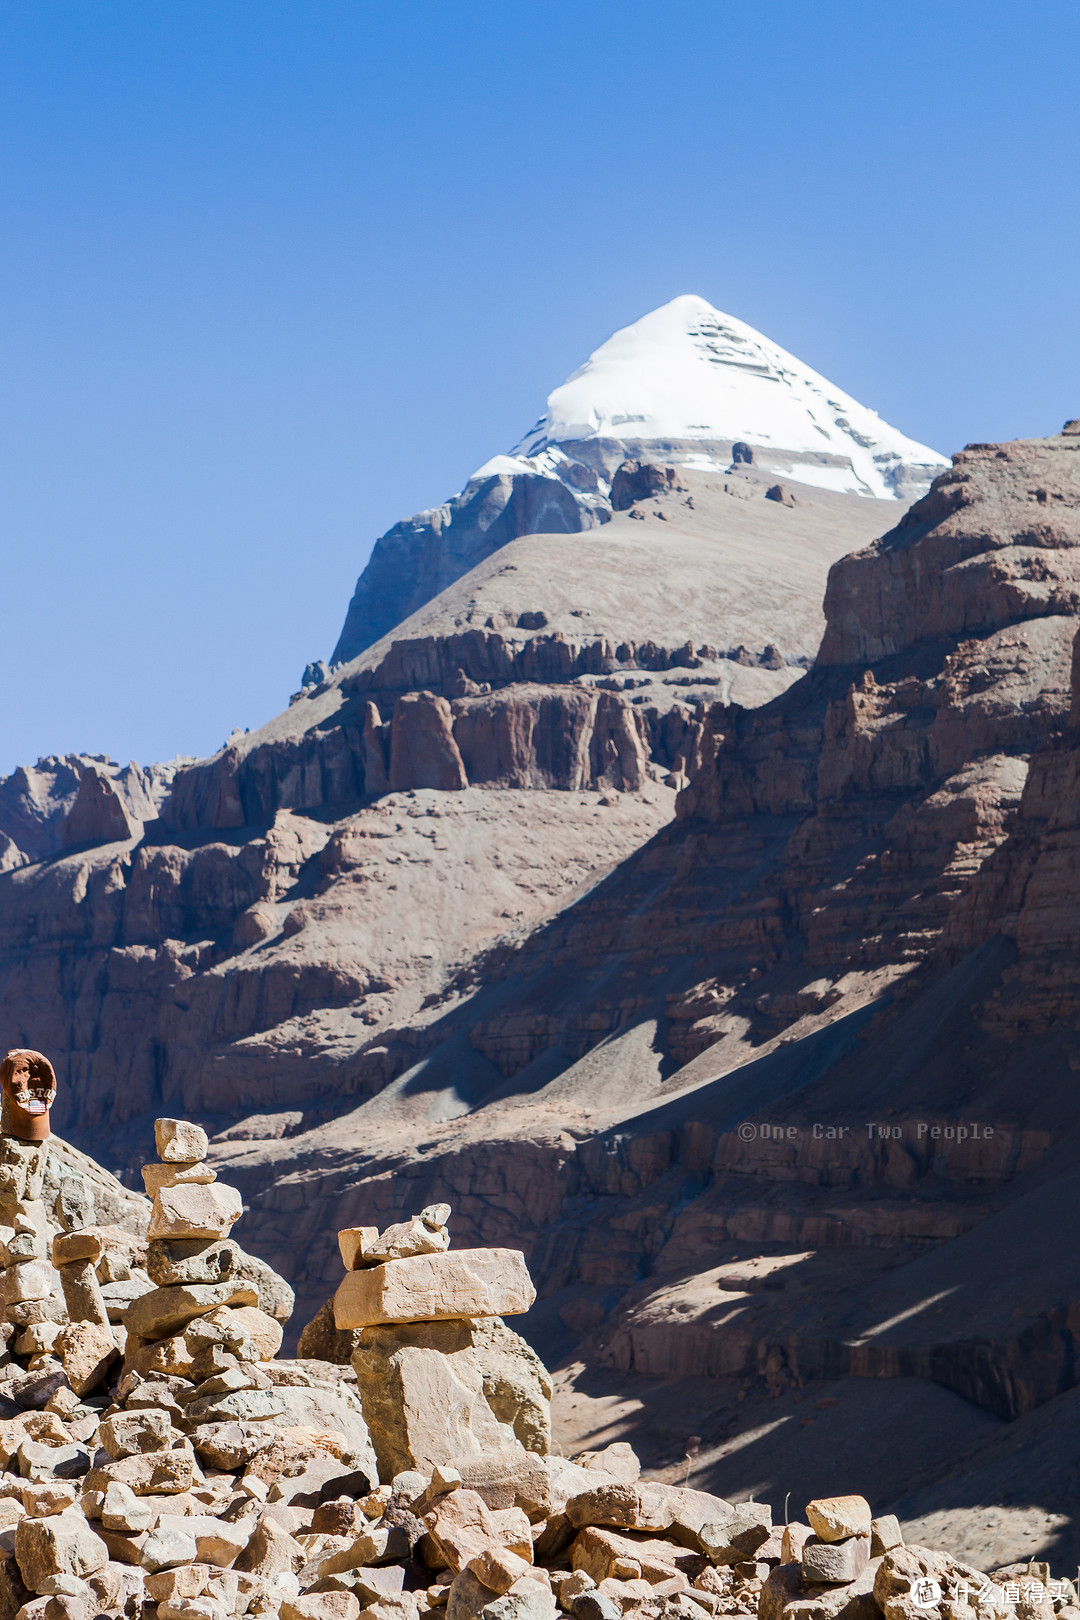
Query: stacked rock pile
x=442 y=1378
x=67 y=1280
x=212 y=1480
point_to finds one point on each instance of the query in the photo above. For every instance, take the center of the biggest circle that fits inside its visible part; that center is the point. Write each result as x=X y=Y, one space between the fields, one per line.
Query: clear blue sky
x=275 y=275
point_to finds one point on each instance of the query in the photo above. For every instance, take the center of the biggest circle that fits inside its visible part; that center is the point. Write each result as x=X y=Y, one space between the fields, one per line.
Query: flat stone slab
x=193 y=1211
x=165 y=1311
x=434 y=1287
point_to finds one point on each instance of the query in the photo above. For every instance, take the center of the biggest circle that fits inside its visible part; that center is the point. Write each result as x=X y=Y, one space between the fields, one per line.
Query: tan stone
x=250 y=1333
x=38 y=1338
x=122 y=1510
x=82 y=1293
x=62 y=1544
x=127 y=1434
x=164 y=1549
x=424 y=1234
x=793 y=1541
x=517 y=1385
x=271 y=1550
x=434 y=1287
x=87 y=1350
x=83 y=1245
x=833 y=1518
x=422 y=1392
x=185 y=1174
x=528 y=1599
x=619 y=1461
x=191 y=1211
x=217 y=1541
x=179 y=1141
x=30 y=1279
x=189 y=1580
x=599 y=1552
x=46 y=1497
x=835 y=1561
x=461 y=1527
x=167 y=1356
x=146 y=1473
x=352 y=1241
x=509 y=1478
x=321 y=1606
x=885 y=1534
x=165 y=1311
x=499 y=1568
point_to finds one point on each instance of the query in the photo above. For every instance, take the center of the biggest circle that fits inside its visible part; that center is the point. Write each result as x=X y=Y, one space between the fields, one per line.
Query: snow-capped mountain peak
x=689 y=376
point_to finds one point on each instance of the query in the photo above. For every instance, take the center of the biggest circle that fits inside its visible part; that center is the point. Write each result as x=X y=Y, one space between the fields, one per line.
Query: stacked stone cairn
x=190 y=1474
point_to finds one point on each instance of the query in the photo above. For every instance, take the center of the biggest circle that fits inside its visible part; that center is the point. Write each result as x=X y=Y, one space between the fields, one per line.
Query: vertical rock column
x=30 y=1304
x=87 y=1345
x=75 y=1254
x=442 y=1380
x=199 y=1299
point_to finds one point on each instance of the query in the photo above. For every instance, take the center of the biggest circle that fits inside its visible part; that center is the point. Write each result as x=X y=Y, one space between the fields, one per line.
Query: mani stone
x=436 y=1287
x=179 y=1142
x=194 y=1211
x=834 y=1518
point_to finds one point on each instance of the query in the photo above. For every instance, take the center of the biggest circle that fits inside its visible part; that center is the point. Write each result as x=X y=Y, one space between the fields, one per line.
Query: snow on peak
x=687 y=372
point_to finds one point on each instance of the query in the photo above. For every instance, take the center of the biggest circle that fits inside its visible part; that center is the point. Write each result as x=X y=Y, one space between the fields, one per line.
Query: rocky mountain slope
x=264 y=944
x=785 y=1105
x=685 y=385
x=778 y=1096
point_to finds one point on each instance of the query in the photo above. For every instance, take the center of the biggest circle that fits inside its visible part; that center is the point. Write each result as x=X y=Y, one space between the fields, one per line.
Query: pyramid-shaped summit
x=683 y=385
x=688 y=375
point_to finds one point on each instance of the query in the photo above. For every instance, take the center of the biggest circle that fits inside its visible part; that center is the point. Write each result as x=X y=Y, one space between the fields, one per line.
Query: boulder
x=62 y=1544
x=470 y=1599
x=516 y=1383
x=421 y=1387
x=462 y=1527
x=436 y=1287
x=835 y=1561
x=192 y=1211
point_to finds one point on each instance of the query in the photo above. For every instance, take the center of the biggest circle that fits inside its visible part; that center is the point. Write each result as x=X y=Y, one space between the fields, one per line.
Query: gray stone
x=191 y=1260
x=835 y=1561
x=76 y=1205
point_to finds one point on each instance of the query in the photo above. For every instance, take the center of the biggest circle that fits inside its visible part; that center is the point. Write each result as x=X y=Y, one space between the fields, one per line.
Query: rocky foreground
x=167 y=1463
